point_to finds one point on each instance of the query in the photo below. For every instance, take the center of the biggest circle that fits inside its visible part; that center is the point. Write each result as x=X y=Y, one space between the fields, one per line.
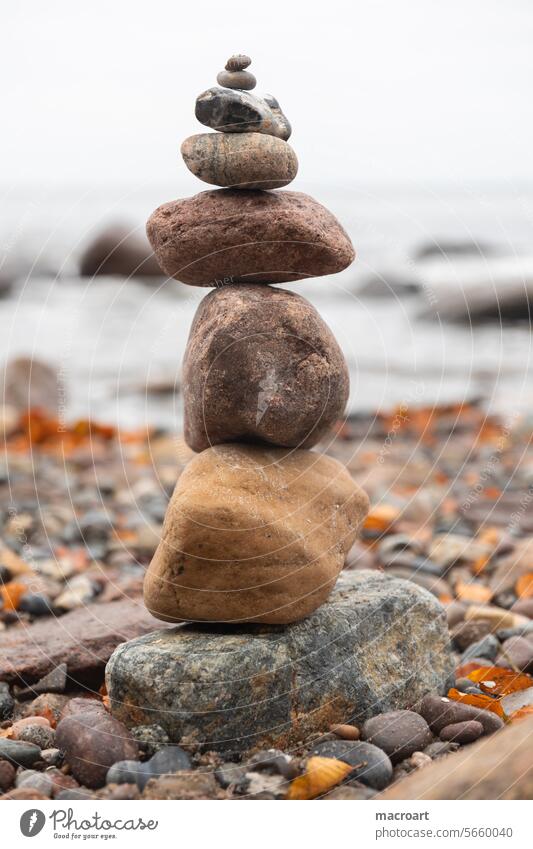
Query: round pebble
x=36 y=604
x=346 y=732
x=238 y=62
x=398 y=732
x=371 y=765
x=439 y=711
x=462 y=732
x=243 y=80
x=127 y=772
x=39 y=734
x=7 y=775
x=166 y=761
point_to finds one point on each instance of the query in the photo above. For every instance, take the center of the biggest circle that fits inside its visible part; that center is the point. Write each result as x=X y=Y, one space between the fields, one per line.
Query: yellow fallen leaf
x=321 y=774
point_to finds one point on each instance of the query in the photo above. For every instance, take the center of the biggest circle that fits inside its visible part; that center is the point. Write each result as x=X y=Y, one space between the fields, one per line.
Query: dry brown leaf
x=499 y=681
x=381 y=517
x=479 y=593
x=482 y=702
x=11 y=594
x=524 y=586
x=321 y=774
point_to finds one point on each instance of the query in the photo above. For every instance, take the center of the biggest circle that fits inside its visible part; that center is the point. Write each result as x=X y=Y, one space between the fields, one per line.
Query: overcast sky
x=375 y=89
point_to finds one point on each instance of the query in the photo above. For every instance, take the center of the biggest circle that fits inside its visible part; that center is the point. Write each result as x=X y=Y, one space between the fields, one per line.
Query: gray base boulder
x=378 y=644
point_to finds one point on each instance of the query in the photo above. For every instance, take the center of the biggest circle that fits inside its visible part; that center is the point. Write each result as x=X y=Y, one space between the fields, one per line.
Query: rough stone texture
x=261 y=365
x=83 y=639
x=246 y=236
x=232 y=111
x=92 y=742
x=244 y=161
x=399 y=733
x=119 y=251
x=497 y=767
x=184 y=785
x=376 y=645
x=253 y=534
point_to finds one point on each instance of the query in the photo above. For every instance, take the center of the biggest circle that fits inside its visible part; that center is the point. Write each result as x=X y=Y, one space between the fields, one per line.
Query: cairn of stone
x=258 y=526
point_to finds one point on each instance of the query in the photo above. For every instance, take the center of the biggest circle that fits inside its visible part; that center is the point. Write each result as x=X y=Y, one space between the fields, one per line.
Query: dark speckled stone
x=377 y=644
x=232 y=111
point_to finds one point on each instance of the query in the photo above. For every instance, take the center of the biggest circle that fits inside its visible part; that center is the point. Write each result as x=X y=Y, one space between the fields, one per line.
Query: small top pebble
x=238 y=62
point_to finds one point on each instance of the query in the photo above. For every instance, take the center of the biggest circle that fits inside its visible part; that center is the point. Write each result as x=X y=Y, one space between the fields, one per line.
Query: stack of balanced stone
x=254 y=532
x=258 y=527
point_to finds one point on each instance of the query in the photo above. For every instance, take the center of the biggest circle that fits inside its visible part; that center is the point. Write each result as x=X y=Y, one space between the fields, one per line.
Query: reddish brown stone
x=7 y=775
x=261 y=365
x=93 y=741
x=246 y=236
x=83 y=639
x=26 y=793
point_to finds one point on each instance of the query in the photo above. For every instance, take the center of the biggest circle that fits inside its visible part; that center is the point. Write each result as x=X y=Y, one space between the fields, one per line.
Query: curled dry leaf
x=482 y=702
x=524 y=586
x=499 y=681
x=321 y=774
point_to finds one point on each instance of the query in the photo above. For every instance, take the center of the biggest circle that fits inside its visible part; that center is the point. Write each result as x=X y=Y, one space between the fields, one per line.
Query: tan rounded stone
x=253 y=534
x=247 y=236
x=240 y=160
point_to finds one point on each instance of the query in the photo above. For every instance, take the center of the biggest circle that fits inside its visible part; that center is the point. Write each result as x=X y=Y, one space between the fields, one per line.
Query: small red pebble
x=346 y=732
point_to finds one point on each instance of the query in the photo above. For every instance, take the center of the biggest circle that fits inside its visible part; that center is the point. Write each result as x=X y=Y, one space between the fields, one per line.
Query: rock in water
x=261 y=365
x=253 y=534
x=119 y=251
x=244 y=161
x=232 y=111
x=244 y=236
x=377 y=644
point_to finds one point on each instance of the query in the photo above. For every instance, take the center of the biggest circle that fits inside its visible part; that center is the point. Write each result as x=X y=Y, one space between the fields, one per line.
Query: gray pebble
x=487 y=648
x=243 y=80
x=18 y=752
x=127 y=772
x=372 y=766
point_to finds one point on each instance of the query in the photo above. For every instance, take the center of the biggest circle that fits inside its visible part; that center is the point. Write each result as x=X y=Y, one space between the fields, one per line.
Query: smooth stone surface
x=246 y=236
x=377 y=644
x=231 y=111
x=242 y=161
x=498 y=767
x=487 y=648
x=399 y=733
x=92 y=742
x=18 y=752
x=261 y=366
x=253 y=534
x=243 y=80
x=373 y=766
x=442 y=711
x=519 y=652
x=462 y=732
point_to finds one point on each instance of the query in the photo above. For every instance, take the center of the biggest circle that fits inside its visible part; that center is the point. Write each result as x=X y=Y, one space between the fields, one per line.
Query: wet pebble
x=439 y=711
x=462 y=732
x=487 y=648
x=517 y=652
x=166 y=761
x=399 y=733
x=7 y=775
x=372 y=766
x=7 y=702
x=19 y=753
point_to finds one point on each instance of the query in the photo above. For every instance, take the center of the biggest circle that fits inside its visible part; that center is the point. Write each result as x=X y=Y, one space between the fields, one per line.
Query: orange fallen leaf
x=521 y=713
x=465 y=669
x=499 y=681
x=482 y=702
x=11 y=594
x=473 y=592
x=321 y=774
x=381 y=517
x=524 y=586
